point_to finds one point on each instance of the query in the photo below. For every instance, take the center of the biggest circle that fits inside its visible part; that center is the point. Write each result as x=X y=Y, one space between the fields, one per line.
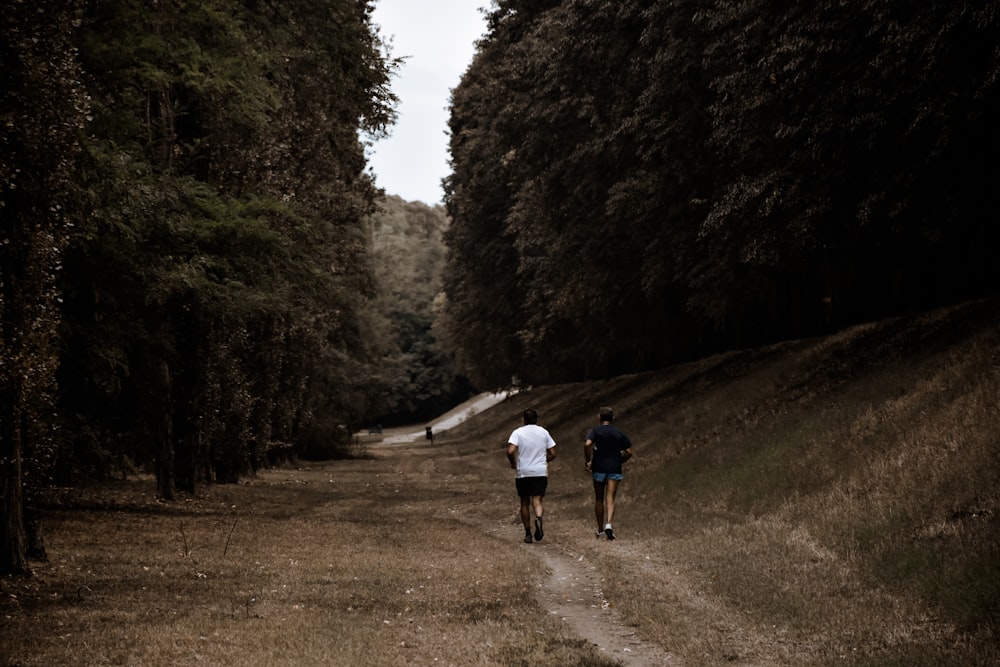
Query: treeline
x=417 y=378
x=185 y=268
x=637 y=182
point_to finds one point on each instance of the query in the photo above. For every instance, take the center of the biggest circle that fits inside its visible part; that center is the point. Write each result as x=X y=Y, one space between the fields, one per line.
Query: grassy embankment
x=844 y=488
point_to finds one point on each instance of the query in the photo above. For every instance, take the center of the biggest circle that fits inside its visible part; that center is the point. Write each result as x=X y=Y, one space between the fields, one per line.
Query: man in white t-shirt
x=529 y=450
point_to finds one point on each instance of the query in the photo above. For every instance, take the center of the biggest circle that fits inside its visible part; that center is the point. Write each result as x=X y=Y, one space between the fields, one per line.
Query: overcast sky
x=436 y=37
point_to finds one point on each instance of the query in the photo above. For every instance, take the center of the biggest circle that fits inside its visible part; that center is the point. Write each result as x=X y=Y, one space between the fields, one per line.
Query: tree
x=539 y=142
x=42 y=112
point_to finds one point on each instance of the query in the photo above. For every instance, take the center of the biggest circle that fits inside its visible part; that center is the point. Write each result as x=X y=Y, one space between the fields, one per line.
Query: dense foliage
x=637 y=182
x=209 y=222
x=214 y=298
x=417 y=379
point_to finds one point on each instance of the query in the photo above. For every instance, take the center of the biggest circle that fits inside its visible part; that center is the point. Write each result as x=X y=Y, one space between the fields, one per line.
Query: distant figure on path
x=429 y=434
x=605 y=450
x=529 y=450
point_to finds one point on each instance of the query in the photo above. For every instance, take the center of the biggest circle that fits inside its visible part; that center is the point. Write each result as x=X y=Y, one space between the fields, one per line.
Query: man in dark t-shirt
x=605 y=450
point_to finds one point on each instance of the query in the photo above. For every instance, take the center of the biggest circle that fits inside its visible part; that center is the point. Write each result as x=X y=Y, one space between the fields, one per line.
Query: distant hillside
x=416 y=378
x=873 y=451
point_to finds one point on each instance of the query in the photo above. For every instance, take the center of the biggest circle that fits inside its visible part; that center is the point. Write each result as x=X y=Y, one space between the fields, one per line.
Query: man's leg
x=536 y=502
x=599 y=492
x=526 y=516
x=609 y=503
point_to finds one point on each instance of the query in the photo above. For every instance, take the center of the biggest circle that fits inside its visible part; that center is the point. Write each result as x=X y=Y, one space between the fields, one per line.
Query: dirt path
x=571 y=586
x=573 y=592
x=408 y=434
x=571 y=589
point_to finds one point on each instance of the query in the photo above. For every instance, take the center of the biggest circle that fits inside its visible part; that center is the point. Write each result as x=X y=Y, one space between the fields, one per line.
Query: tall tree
x=42 y=111
x=482 y=262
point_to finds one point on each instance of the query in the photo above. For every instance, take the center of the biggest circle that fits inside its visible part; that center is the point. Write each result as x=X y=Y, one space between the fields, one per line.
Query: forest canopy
x=638 y=182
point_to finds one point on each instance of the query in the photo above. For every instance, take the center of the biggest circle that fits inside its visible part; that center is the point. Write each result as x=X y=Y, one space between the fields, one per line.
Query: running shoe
x=539 y=533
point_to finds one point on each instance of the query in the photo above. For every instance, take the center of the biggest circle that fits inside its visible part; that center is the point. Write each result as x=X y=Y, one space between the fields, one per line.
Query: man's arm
x=550 y=453
x=626 y=454
x=588 y=453
x=512 y=454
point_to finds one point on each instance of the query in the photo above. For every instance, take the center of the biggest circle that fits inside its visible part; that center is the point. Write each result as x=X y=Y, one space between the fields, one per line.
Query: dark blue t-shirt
x=608 y=445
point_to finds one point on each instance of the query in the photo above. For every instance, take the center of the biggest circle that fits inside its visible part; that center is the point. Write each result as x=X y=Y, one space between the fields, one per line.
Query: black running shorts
x=531 y=486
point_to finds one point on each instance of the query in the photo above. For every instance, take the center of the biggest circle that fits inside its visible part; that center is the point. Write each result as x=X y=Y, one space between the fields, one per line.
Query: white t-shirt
x=532 y=442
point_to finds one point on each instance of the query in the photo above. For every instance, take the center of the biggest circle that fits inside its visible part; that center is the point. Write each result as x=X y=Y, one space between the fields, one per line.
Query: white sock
x=606 y=526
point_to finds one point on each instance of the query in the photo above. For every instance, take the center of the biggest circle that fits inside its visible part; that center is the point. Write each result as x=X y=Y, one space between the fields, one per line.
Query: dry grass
x=816 y=502
x=860 y=522
x=354 y=563
x=831 y=501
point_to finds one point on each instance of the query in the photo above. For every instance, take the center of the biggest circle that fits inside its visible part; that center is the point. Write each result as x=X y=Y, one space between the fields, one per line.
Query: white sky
x=436 y=37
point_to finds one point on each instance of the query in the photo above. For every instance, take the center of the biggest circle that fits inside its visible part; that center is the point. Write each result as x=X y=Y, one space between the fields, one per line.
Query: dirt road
x=452 y=418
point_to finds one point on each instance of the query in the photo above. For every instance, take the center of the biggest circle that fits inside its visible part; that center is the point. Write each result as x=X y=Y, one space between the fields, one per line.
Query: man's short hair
x=606 y=414
x=530 y=416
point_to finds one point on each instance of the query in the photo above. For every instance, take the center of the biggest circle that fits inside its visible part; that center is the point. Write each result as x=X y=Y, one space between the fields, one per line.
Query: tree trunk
x=162 y=427
x=35 y=538
x=13 y=539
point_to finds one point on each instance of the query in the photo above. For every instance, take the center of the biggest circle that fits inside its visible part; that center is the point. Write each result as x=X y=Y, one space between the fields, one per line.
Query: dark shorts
x=531 y=486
